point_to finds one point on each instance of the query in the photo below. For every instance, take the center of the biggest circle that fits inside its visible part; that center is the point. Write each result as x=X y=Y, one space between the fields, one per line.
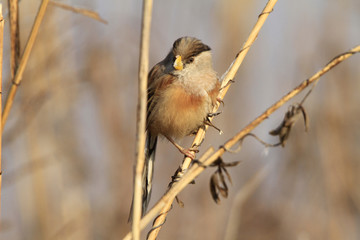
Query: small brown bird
x=182 y=90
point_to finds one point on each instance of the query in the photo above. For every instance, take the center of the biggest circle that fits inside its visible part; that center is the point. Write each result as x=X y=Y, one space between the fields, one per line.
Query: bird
x=182 y=91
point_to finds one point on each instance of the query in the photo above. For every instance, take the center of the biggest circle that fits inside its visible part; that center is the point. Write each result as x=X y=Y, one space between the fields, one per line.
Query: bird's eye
x=191 y=59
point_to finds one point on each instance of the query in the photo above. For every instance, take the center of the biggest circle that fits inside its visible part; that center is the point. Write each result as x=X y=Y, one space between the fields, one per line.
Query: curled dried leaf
x=218 y=184
x=228 y=175
x=290 y=118
x=213 y=191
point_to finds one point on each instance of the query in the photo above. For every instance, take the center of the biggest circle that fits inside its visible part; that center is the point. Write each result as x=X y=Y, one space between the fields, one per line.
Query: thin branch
x=226 y=81
x=141 y=116
x=83 y=11
x=23 y=62
x=196 y=169
x=1 y=64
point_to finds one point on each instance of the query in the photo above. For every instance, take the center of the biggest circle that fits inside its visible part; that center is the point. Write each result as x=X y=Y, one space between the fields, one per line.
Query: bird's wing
x=158 y=80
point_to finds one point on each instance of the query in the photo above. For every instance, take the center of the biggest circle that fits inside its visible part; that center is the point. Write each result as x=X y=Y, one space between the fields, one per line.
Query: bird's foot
x=220 y=101
x=189 y=152
x=209 y=123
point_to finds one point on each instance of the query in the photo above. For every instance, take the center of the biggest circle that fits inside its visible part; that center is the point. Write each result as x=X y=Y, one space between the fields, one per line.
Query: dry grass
x=23 y=61
x=69 y=140
x=82 y=11
x=228 y=76
x=1 y=64
x=141 y=117
x=14 y=36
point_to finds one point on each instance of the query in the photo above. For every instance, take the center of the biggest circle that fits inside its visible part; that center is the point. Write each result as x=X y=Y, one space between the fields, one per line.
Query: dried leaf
x=218 y=182
x=223 y=191
x=290 y=118
x=217 y=162
x=228 y=175
x=213 y=191
x=306 y=120
x=82 y=11
x=231 y=164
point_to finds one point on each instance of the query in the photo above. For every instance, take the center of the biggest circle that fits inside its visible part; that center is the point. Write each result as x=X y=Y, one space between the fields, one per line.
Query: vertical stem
x=14 y=36
x=23 y=62
x=141 y=116
x=1 y=60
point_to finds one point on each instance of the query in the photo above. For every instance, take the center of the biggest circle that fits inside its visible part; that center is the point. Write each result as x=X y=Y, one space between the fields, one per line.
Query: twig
x=14 y=36
x=141 y=116
x=239 y=147
x=225 y=84
x=83 y=11
x=1 y=61
x=23 y=62
x=196 y=169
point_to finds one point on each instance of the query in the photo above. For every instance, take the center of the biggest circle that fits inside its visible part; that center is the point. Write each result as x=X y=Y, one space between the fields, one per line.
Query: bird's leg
x=186 y=151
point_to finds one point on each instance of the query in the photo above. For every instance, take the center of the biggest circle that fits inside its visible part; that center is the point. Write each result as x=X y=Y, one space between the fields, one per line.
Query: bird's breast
x=178 y=113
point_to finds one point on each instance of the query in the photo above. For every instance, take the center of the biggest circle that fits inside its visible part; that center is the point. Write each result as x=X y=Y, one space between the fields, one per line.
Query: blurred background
x=68 y=147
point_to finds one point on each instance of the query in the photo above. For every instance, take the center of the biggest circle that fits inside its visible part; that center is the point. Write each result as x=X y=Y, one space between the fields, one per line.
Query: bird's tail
x=150 y=149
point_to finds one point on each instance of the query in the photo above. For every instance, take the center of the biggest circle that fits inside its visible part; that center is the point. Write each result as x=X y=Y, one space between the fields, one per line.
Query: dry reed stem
x=195 y=170
x=141 y=116
x=23 y=62
x=14 y=36
x=83 y=11
x=1 y=64
x=225 y=84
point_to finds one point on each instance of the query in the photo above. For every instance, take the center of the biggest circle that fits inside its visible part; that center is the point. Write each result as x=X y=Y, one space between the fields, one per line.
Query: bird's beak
x=178 y=64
